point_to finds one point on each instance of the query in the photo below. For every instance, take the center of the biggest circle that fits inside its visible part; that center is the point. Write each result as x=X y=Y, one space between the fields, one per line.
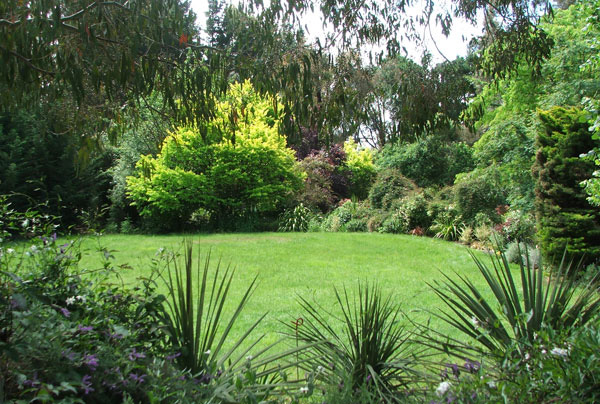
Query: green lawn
x=306 y=264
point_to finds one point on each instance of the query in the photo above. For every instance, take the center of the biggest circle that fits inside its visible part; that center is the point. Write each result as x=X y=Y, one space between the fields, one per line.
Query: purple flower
x=115 y=335
x=135 y=355
x=86 y=384
x=84 y=329
x=454 y=368
x=173 y=356
x=33 y=382
x=53 y=236
x=65 y=312
x=70 y=355
x=136 y=378
x=472 y=366
x=91 y=361
x=205 y=379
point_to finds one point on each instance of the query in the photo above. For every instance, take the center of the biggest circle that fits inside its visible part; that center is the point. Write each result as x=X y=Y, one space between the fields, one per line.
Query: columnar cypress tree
x=565 y=217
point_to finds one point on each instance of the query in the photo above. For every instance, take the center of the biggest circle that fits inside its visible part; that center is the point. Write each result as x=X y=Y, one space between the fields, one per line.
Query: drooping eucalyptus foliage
x=101 y=51
x=106 y=49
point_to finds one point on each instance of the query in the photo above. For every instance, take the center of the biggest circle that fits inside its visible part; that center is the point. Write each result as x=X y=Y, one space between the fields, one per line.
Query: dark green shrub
x=429 y=161
x=350 y=216
x=405 y=215
x=394 y=223
x=565 y=217
x=39 y=169
x=509 y=146
x=414 y=209
x=390 y=185
x=478 y=192
x=357 y=225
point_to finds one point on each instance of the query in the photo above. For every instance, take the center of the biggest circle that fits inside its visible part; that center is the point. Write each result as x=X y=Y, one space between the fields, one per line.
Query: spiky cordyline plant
x=193 y=317
x=373 y=350
x=516 y=312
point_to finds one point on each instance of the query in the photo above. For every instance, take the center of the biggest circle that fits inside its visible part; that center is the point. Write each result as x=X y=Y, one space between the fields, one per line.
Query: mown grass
x=306 y=264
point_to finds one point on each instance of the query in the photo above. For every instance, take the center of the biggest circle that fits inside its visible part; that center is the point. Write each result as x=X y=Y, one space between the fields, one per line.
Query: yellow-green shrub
x=237 y=167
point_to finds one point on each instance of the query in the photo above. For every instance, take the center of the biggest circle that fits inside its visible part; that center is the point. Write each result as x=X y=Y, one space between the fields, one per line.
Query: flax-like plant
x=198 y=329
x=373 y=350
x=518 y=310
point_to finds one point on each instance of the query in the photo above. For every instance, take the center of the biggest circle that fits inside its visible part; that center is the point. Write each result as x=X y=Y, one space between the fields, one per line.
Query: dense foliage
x=237 y=171
x=565 y=217
x=429 y=161
x=38 y=170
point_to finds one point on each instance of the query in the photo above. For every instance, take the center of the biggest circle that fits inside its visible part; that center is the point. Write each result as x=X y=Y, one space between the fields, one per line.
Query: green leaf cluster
x=359 y=163
x=565 y=217
x=235 y=166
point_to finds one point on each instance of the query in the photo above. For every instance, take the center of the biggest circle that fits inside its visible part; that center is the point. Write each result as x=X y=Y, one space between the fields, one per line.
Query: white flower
x=475 y=322
x=491 y=384
x=527 y=357
x=207 y=352
x=249 y=357
x=25 y=223
x=304 y=390
x=34 y=248
x=81 y=298
x=442 y=388
x=562 y=352
x=320 y=369
x=10 y=250
x=70 y=301
x=544 y=352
